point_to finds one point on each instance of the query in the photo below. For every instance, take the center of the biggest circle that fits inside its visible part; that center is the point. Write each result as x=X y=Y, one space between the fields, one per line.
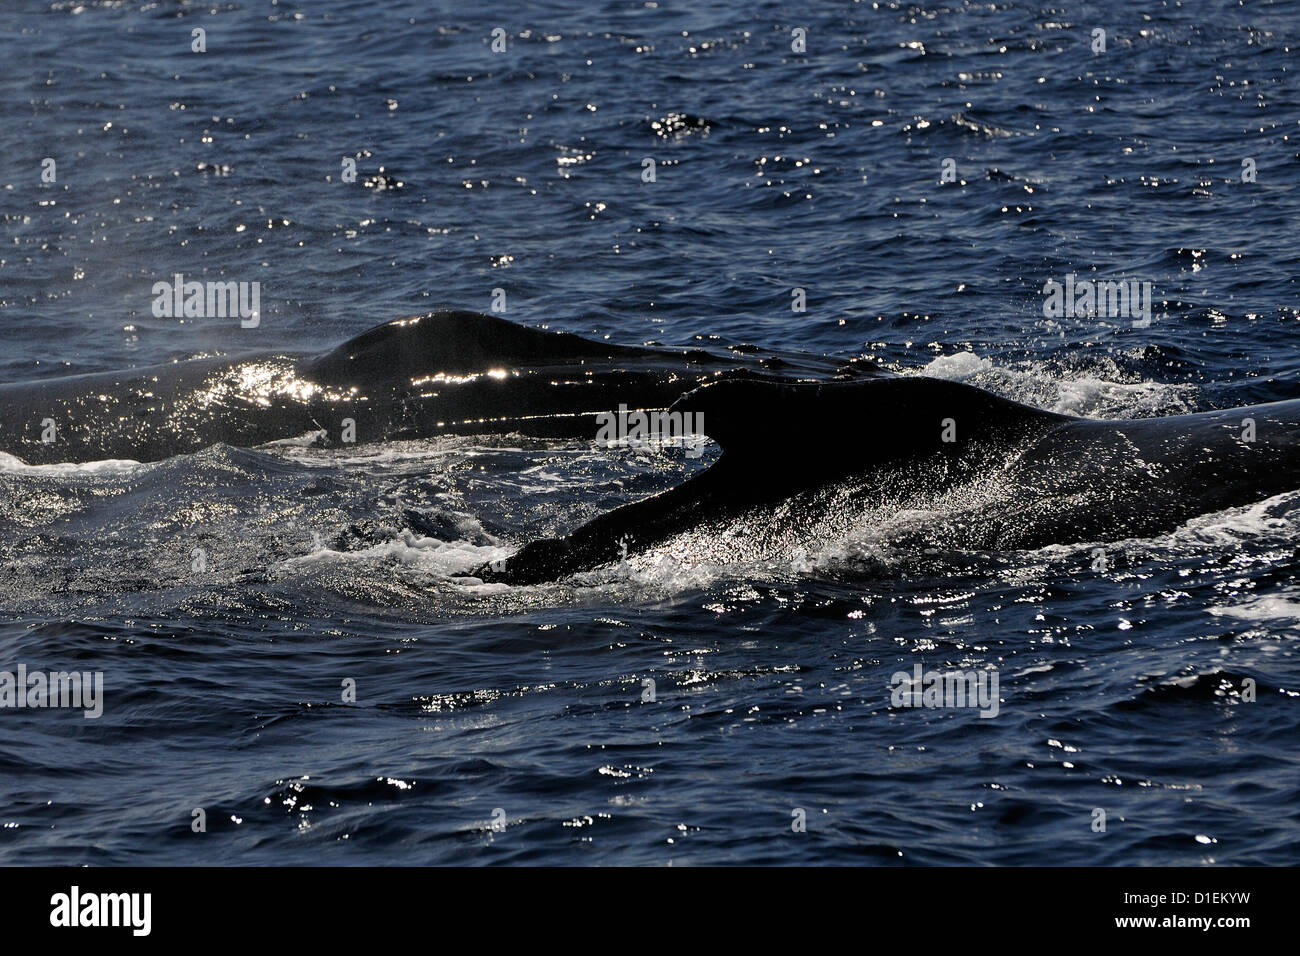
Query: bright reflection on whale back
x=445 y=378
x=263 y=381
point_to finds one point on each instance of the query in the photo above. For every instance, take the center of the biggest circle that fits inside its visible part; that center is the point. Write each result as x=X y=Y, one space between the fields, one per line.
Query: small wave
x=1216 y=684
x=309 y=439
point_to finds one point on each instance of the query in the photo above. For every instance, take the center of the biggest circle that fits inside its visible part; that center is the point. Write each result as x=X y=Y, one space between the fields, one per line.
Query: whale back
x=454 y=343
x=988 y=473
x=809 y=431
x=782 y=439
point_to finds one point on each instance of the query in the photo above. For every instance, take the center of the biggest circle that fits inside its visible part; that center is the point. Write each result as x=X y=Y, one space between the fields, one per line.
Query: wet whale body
x=801 y=461
x=445 y=372
x=812 y=447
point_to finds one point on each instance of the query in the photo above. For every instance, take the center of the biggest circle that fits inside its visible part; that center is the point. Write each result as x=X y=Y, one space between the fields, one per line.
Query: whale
x=972 y=471
x=447 y=371
x=813 y=448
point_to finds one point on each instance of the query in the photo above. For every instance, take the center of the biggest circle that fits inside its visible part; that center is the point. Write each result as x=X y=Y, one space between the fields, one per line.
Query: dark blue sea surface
x=496 y=724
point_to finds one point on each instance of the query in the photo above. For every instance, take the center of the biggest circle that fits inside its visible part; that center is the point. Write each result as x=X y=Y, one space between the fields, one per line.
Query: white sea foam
x=1085 y=396
x=432 y=556
x=1270 y=517
x=108 y=466
x=1269 y=608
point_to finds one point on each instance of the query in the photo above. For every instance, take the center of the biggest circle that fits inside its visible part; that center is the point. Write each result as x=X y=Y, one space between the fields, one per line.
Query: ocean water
x=326 y=690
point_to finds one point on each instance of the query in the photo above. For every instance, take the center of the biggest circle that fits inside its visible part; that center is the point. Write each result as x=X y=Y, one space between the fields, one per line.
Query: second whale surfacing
x=807 y=462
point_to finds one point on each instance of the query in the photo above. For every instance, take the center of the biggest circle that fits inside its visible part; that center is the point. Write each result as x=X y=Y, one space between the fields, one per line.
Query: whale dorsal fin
x=453 y=342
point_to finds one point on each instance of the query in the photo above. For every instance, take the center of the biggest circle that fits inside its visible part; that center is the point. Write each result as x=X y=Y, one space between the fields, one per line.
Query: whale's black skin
x=1020 y=477
x=805 y=440
x=448 y=372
